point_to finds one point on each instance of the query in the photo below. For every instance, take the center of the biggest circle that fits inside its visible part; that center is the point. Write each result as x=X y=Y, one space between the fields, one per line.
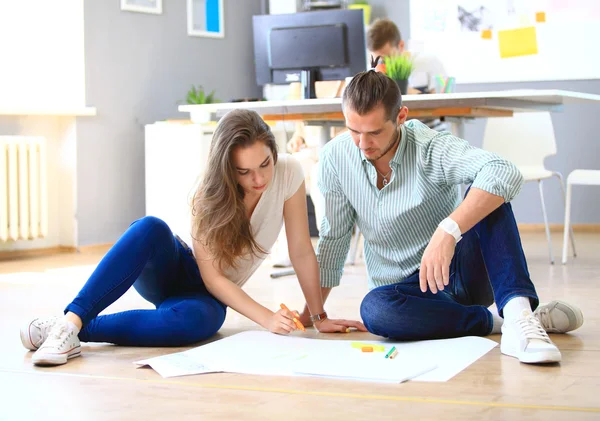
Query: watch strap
x=318 y=317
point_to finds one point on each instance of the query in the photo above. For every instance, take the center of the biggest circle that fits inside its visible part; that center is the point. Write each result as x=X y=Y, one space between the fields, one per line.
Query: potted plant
x=365 y=6
x=399 y=68
x=197 y=96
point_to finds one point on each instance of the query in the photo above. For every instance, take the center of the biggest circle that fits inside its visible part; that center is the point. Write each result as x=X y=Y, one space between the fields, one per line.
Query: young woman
x=246 y=195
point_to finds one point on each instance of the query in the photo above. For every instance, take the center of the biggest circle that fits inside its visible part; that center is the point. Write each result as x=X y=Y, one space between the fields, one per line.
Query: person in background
x=308 y=157
x=384 y=39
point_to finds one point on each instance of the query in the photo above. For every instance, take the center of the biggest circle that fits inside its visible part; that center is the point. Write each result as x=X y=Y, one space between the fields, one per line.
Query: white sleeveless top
x=267 y=218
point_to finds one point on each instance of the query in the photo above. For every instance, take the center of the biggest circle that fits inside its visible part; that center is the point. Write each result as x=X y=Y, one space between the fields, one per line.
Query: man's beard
x=390 y=146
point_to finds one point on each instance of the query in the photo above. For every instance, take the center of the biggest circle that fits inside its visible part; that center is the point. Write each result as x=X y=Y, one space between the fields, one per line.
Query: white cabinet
x=175 y=156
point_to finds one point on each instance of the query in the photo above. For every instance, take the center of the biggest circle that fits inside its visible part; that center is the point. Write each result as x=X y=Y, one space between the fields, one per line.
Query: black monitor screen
x=308 y=47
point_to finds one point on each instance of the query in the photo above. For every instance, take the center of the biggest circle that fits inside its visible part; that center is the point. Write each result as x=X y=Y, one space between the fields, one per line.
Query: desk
x=457 y=105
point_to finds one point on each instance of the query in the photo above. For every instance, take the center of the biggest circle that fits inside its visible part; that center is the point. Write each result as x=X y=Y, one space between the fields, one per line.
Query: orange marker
x=299 y=325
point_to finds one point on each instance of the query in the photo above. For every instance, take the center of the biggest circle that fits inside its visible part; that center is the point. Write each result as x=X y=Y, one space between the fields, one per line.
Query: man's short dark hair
x=381 y=32
x=368 y=90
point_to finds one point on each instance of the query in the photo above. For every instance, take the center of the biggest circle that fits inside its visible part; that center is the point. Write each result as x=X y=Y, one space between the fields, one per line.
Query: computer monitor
x=309 y=46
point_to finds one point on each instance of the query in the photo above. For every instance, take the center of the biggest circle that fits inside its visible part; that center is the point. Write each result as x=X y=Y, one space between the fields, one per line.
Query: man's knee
x=374 y=311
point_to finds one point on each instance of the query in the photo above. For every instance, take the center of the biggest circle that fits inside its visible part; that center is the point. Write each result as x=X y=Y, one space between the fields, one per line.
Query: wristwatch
x=318 y=317
x=451 y=227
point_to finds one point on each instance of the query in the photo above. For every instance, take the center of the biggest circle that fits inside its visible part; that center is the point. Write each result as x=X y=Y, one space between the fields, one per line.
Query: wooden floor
x=104 y=384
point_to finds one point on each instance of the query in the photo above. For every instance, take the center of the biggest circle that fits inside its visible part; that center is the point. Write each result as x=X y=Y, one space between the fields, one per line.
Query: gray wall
x=576 y=132
x=139 y=66
x=138 y=69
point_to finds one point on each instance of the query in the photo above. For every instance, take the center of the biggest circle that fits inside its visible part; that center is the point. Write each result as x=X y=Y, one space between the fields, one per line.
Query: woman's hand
x=282 y=322
x=304 y=318
x=338 y=325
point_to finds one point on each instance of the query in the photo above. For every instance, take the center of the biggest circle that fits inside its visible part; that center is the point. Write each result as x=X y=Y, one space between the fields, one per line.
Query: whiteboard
x=466 y=36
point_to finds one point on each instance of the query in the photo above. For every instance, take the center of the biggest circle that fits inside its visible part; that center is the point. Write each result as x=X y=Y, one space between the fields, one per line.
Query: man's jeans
x=488 y=265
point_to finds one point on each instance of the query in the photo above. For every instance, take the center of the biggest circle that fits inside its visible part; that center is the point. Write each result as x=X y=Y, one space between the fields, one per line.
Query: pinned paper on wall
x=205 y=18
x=517 y=42
x=524 y=20
x=486 y=34
x=540 y=17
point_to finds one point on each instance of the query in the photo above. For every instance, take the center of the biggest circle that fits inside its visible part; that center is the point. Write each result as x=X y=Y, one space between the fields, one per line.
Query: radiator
x=23 y=188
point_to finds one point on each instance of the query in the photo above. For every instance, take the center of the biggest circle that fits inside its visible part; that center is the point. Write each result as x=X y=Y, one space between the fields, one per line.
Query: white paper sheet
x=255 y=352
x=174 y=365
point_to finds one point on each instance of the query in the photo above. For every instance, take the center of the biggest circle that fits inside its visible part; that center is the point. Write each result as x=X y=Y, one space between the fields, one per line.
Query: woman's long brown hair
x=220 y=219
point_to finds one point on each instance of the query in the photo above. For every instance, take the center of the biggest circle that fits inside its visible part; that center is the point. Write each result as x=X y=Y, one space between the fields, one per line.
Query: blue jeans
x=488 y=265
x=164 y=272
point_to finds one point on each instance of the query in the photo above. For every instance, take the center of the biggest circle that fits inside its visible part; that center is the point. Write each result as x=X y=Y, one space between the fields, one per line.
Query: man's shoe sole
x=545 y=357
x=576 y=311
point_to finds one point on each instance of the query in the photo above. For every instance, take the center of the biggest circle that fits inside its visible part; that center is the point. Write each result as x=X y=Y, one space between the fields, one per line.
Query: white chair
x=526 y=139
x=580 y=177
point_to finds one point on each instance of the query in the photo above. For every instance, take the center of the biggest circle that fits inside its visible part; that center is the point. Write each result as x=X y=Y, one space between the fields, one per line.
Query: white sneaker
x=525 y=338
x=36 y=331
x=62 y=343
x=559 y=317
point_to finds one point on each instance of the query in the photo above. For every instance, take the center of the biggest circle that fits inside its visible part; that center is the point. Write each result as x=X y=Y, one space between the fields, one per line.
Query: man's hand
x=304 y=318
x=336 y=325
x=331 y=325
x=435 y=264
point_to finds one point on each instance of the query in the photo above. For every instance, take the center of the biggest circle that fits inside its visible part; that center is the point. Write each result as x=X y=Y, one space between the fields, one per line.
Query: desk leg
x=457 y=126
x=325 y=127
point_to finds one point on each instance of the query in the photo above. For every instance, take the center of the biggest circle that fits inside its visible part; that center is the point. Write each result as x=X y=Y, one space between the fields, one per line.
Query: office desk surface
x=471 y=104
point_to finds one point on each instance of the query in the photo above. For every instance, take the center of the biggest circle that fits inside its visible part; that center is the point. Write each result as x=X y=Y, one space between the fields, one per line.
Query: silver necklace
x=385 y=180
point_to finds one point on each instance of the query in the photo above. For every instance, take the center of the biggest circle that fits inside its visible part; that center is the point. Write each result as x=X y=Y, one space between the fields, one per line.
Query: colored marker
x=390 y=352
x=299 y=324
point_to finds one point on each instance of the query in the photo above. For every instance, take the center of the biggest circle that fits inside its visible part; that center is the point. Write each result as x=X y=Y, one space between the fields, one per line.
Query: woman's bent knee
x=194 y=322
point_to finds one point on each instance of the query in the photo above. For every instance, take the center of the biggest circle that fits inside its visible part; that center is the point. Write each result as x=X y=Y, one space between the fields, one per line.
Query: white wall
x=139 y=68
x=43 y=63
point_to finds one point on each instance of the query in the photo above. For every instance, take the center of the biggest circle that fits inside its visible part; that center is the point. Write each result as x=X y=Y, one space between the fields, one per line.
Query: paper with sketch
x=174 y=365
x=255 y=352
x=269 y=354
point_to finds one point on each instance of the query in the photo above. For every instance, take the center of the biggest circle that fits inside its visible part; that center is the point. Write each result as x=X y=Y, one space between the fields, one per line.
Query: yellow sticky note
x=486 y=34
x=376 y=348
x=517 y=42
x=540 y=17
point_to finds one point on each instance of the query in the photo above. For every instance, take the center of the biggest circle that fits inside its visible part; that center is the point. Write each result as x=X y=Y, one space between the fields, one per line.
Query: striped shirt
x=398 y=221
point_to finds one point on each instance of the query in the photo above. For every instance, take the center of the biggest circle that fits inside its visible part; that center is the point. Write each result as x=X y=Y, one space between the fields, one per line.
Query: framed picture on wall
x=205 y=18
x=143 y=6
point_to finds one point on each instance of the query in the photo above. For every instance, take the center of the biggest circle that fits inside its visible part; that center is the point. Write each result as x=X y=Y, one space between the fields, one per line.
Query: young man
x=435 y=262
x=384 y=39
